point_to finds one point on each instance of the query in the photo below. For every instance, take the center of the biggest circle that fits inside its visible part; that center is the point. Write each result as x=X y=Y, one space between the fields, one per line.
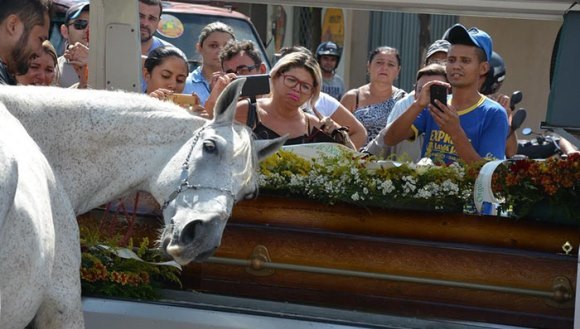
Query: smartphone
x=438 y=92
x=184 y=99
x=258 y=84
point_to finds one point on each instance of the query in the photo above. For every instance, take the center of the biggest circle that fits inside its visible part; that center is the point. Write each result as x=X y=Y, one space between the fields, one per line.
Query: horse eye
x=209 y=146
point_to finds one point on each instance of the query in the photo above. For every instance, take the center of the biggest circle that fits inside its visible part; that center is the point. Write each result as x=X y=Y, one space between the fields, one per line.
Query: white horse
x=39 y=254
x=103 y=145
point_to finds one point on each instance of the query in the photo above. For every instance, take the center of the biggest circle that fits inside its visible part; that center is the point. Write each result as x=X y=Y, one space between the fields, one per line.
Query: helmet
x=328 y=48
x=495 y=76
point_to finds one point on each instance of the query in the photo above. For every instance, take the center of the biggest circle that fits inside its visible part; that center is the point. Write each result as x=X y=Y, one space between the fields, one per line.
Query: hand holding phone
x=184 y=99
x=438 y=92
x=258 y=84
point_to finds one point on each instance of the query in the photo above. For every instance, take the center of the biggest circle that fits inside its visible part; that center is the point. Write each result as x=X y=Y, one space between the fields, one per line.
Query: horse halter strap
x=184 y=178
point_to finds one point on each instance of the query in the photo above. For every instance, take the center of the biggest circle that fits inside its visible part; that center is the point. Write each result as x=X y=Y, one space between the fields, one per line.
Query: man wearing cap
x=24 y=26
x=72 y=65
x=437 y=52
x=470 y=126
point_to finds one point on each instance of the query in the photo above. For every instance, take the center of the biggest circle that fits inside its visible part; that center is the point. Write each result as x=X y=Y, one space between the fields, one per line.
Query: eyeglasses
x=243 y=69
x=80 y=24
x=291 y=81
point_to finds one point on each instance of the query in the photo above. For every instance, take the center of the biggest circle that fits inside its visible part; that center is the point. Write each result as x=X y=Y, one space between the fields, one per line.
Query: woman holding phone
x=295 y=80
x=165 y=71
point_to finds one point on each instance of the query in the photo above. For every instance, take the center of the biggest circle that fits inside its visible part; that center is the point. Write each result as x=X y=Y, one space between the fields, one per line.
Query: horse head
x=216 y=168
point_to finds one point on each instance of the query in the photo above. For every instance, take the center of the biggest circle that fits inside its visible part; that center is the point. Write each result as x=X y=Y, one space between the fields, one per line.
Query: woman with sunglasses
x=72 y=65
x=295 y=80
x=41 y=69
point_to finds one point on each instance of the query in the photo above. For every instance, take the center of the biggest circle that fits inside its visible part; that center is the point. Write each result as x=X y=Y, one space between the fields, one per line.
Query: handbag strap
x=252 y=114
x=399 y=93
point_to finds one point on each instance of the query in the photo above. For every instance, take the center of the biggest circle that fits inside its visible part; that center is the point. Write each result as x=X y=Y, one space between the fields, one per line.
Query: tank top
x=262 y=132
x=374 y=117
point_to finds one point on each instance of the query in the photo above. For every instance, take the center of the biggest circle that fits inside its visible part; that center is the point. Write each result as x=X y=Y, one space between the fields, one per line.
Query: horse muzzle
x=195 y=241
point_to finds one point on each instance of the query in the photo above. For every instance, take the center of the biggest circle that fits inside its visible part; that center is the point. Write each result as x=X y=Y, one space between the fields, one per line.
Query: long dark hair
x=385 y=49
x=158 y=55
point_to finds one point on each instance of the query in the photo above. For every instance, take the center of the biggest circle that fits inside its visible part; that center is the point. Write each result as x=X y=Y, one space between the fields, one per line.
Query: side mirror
x=518 y=118
x=517 y=97
x=527 y=131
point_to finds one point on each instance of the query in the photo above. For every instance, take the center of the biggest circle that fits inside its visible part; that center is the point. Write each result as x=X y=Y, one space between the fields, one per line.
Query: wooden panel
x=440 y=246
x=529 y=270
x=448 y=227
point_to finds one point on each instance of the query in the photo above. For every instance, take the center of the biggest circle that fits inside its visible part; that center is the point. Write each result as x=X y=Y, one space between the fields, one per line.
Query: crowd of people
x=307 y=99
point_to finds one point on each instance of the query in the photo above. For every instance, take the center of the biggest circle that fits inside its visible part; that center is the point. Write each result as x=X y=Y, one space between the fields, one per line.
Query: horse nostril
x=189 y=231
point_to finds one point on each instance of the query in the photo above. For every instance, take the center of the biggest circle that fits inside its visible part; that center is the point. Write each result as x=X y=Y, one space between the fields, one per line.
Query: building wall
x=356 y=48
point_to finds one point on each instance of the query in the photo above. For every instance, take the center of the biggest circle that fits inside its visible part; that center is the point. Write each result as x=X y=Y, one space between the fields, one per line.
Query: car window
x=192 y=25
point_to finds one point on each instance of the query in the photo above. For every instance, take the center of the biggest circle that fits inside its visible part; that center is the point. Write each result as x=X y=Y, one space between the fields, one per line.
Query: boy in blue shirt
x=470 y=126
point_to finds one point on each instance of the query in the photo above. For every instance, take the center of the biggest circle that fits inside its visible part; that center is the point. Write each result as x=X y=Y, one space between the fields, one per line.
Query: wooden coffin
x=397 y=262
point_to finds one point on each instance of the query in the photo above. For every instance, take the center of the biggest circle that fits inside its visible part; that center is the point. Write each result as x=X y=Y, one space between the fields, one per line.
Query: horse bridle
x=184 y=178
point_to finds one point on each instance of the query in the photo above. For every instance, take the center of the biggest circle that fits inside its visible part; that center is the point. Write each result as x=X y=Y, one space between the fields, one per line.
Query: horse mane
x=244 y=143
x=107 y=114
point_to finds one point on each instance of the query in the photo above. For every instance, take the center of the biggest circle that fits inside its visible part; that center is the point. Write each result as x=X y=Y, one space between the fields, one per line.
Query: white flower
x=450 y=187
x=409 y=185
x=355 y=196
x=386 y=187
x=423 y=194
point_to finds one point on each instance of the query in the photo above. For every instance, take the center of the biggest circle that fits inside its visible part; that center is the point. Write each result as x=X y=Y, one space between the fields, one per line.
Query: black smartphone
x=438 y=92
x=258 y=84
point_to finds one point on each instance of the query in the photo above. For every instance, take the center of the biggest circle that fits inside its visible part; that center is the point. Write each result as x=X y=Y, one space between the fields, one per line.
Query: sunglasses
x=80 y=24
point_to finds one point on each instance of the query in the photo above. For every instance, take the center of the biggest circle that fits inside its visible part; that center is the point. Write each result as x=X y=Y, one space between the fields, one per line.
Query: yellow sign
x=170 y=26
x=280 y=21
x=333 y=26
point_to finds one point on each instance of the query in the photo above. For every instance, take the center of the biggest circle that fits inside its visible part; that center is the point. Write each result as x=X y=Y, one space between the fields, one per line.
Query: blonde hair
x=48 y=48
x=300 y=60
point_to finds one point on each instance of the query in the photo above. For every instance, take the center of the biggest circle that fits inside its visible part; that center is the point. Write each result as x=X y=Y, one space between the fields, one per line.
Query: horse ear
x=225 y=107
x=267 y=147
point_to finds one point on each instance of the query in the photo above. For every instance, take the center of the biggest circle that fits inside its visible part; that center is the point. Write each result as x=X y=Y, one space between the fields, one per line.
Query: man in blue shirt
x=470 y=126
x=149 y=15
